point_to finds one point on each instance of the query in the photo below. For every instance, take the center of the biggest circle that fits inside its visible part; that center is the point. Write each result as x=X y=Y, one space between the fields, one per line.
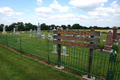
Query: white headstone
x=13 y=30
x=30 y=30
x=4 y=32
x=30 y=35
x=43 y=36
x=78 y=35
x=23 y=32
x=64 y=51
x=54 y=49
x=34 y=30
x=38 y=31
x=33 y=36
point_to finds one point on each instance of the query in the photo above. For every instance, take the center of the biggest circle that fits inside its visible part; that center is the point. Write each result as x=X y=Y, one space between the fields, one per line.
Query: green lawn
x=17 y=67
x=78 y=58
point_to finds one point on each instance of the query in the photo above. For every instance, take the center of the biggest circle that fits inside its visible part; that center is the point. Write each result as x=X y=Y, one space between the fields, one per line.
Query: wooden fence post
x=90 y=57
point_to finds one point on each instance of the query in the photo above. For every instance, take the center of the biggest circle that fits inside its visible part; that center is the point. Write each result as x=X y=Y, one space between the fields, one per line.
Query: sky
x=100 y=13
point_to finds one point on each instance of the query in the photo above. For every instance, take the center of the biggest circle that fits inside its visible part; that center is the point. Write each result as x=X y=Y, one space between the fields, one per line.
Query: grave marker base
x=107 y=51
x=86 y=77
x=64 y=54
x=61 y=67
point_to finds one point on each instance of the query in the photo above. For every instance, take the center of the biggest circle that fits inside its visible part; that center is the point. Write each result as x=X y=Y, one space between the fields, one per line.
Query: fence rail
x=77 y=60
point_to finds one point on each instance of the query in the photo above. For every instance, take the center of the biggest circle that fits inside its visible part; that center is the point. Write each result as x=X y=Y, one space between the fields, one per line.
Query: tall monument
x=38 y=31
x=16 y=30
x=4 y=32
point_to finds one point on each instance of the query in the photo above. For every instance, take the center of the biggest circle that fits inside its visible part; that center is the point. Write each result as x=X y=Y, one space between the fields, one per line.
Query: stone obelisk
x=4 y=32
x=38 y=31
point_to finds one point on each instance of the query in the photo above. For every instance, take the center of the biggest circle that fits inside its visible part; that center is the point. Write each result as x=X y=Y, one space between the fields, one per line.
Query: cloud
x=83 y=16
x=106 y=11
x=39 y=2
x=5 y=9
x=87 y=4
x=57 y=7
x=9 y=12
x=46 y=10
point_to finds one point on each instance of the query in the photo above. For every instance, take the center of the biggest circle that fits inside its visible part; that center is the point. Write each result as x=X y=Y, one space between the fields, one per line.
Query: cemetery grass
x=79 y=57
x=17 y=67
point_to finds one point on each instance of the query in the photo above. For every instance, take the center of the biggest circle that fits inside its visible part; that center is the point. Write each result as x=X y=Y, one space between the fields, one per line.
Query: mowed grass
x=78 y=58
x=17 y=67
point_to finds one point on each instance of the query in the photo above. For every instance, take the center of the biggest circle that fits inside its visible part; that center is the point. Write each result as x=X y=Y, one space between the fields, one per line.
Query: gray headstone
x=4 y=31
x=38 y=31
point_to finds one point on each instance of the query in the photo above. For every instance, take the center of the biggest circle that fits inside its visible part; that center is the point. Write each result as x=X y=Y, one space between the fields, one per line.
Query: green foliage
x=27 y=26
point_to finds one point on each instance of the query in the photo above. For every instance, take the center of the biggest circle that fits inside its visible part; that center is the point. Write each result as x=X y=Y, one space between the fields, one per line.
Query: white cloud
x=9 y=12
x=46 y=10
x=57 y=7
x=5 y=9
x=87 y=4
x=100 y=20
x=83 y=16
x=39 y=2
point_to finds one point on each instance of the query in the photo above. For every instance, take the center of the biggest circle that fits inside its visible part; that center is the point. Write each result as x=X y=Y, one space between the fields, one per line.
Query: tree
x=63 y=26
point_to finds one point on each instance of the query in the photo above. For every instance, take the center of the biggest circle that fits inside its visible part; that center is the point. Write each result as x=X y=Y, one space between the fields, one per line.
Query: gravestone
x=13 y=30
x=33 y=36
x=78 y=35
x=30 y=35
x=16 y=30
x=49 y=37
x=64 y=50
x=4 y=31
x=67 y=29
x=23 y=32
x=61 y=28
x=114 y=38
x=108 y=46
x=43 y=36
x=38 y=31
x=54 y=29
x=54 y=49
x=118 y=35
x=34 y=30
x=50 y=29
x=30 y=30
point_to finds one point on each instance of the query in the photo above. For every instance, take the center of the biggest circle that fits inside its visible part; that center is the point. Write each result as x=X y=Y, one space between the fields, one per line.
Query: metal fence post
x=48 y=51
x=6 y=40
x=20 y=45
x=90 y=57
x=111 y=65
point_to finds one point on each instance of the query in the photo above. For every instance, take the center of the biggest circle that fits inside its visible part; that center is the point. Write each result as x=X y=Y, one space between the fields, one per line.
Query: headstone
x=83 y=36
x=64 y=50
x=4 y=31
x=33 y=36
x=78 y=35
x=16 y=30
x=30 y=35
x=23 y=32
x=57 y=28
x=54 y=49
x=43 y=36
x=49 y=37
x=67 y=29
x=114 y=38
x=108 y=46
x=34 y=30
x=54 y=28
x=38 y=32
x=30 y=30
x=118 y=35
x=104 y=40
x=50 y=29
x=13 y=30
x=61 y=28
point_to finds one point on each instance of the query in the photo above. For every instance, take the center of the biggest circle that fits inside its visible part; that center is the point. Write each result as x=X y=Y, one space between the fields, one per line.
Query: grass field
x=17 y=67
x=78 y=60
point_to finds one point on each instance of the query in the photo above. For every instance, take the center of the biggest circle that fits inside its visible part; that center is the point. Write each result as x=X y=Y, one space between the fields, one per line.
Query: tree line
x=27 y=26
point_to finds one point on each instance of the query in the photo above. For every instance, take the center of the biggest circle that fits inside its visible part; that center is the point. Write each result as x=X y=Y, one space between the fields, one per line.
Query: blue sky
x=85 y=12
